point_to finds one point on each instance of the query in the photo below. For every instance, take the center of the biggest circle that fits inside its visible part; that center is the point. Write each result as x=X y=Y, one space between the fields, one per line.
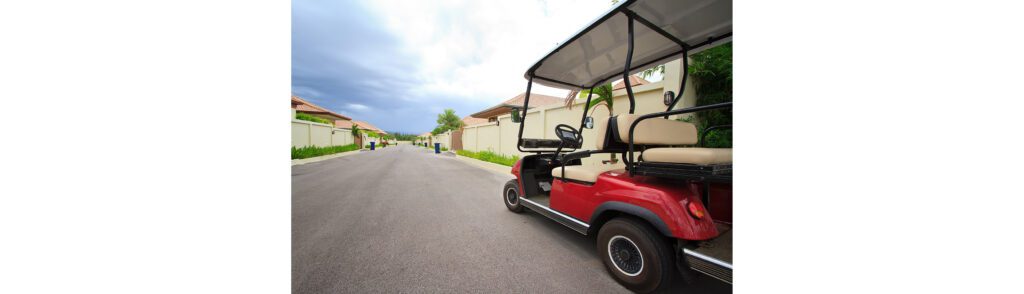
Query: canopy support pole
x=583 y=121
x=526 y=105
x=629 y=59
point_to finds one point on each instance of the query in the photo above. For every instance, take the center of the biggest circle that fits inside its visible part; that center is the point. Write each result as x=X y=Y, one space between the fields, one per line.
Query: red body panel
x=665 y=198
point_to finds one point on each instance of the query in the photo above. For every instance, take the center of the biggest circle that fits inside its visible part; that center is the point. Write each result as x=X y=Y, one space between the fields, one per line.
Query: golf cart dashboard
x=543 y=143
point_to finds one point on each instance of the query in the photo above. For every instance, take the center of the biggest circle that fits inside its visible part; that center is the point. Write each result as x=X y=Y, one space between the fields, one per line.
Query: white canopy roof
x=597 y=54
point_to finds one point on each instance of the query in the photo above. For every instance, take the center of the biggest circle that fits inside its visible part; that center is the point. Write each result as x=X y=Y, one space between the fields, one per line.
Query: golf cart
x=665 y=213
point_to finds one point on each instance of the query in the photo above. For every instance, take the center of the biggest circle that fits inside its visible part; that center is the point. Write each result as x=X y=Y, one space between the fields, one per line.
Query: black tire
x=510 y=195
x=622 y=238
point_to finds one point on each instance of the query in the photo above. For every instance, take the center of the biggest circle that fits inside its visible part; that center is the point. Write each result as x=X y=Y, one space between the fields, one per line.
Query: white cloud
x=358 y=107
x=479 y=50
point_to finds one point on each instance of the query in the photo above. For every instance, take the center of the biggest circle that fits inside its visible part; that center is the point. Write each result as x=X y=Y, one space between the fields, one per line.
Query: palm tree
x=356 y=136
x=604 y=95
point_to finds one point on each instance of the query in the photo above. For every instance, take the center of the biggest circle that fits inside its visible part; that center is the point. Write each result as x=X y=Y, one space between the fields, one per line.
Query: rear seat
x=699 y=156
x=660 y=132
x=650 y=132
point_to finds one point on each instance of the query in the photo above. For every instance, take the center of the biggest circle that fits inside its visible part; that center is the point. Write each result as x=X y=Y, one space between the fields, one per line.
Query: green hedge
x=489 y=156
x=306 y=117
x=313 y=151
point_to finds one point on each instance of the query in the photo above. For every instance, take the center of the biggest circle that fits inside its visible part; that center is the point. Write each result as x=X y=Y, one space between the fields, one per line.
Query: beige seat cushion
x=586 y=173
x=600 y=129
x=656 y=131
x=701 y=156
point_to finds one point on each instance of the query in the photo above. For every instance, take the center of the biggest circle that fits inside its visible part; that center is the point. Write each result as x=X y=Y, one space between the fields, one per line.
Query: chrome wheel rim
x=511 y=197
x=625 y=255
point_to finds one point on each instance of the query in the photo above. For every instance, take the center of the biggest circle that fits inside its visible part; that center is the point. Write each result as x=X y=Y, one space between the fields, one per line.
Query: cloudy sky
x=397 y=64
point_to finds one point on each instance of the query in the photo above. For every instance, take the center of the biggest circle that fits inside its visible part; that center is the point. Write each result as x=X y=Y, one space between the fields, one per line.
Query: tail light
x=695 y=210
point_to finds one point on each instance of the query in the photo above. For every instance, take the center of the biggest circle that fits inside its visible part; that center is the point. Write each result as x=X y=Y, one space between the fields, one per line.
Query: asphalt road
x=402 y=219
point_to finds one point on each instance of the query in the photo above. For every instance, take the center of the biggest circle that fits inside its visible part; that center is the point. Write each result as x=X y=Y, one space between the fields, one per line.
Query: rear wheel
x=636 y=255
x=511 y=196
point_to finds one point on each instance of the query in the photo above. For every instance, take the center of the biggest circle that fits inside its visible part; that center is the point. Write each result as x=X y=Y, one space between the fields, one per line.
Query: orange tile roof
x=301 y=105
x=535 y=100
x=343 y=124
x=634 y=81
x=503 y=108
x=367 y=126
x=469 y=120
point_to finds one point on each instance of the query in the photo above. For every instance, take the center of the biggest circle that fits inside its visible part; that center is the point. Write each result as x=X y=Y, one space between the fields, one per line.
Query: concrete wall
x=444 y=139
x=501 y=137
x=307 y=133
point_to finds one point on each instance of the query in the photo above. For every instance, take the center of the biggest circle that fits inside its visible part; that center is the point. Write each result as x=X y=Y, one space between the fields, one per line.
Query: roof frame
x=622 y=7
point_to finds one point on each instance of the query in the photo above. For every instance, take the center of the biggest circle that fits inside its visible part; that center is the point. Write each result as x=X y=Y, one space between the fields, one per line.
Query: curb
x=494 y=167
x=322 y=158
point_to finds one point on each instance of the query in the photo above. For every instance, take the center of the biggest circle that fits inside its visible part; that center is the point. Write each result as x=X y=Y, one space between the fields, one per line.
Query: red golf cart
x=666 y=212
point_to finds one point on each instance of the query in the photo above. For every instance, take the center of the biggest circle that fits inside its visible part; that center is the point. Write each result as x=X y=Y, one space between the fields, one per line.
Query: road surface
x=402 y=219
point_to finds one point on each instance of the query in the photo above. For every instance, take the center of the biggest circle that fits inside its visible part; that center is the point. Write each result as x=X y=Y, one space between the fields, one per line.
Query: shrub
x=712 y=77
x=314 y=151
x=307 y=117
x=489 y=156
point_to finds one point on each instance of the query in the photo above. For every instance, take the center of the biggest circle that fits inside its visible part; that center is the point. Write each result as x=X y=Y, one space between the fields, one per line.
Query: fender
x=606 y=209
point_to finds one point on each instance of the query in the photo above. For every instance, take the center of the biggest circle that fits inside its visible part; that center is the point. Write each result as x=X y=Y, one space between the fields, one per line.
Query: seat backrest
x=601 y=131
x=656 y=131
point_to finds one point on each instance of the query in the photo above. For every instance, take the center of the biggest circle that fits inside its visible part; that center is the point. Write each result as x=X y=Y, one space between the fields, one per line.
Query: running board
x=709 y=265
x=563 y=219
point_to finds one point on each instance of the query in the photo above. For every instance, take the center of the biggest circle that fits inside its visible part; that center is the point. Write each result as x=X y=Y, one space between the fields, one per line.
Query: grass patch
x=313 y=151
x=489 y=156
x=306 y=117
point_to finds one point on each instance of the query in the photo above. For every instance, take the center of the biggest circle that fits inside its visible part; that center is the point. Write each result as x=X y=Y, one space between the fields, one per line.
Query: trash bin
x=437 y=148
x=373 y=145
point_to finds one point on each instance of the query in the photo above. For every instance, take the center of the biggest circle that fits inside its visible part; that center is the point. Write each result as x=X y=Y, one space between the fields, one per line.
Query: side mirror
x=588 y=122
x=516 y=116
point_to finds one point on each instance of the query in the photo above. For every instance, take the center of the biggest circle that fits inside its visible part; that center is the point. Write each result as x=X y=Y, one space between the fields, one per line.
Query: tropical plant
x=711 y=71
x=355 y=130
x=604 y=96
x=447 y=121
x=647 y=73
x=307 y=117
x=402 y=137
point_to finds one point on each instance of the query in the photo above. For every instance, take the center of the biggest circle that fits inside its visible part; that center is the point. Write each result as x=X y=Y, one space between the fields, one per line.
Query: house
x=367 y=126
x=302 y=106
x=634 y=81
x=536 y=100
x=343 y=124
x=329 y=128
x=469 y=121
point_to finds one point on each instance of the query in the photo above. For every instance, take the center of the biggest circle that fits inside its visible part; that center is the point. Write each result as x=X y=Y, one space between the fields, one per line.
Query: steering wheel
x=569 y=136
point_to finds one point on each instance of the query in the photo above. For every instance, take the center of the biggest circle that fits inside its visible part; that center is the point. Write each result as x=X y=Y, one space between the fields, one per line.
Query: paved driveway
x=402 y=219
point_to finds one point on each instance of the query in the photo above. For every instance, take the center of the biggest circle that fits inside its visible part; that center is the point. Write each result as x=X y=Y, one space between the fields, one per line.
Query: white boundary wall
x=307 y=133
x=444 y=138
x=500 y=137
